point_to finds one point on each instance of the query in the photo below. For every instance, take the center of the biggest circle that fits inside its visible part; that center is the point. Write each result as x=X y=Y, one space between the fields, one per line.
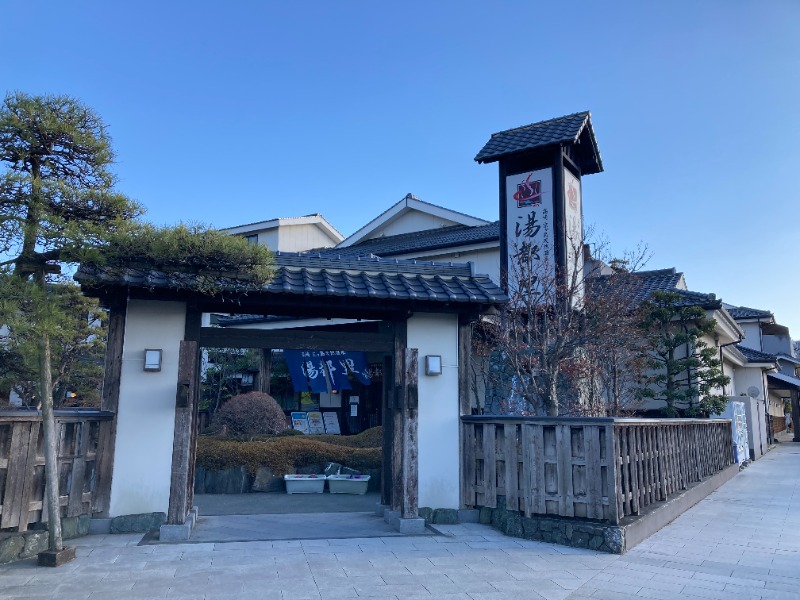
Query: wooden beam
x=409 y=509
x=183 y=438
x=299 y=339
x=398 y=489
x=388 y=424
x=110 y=402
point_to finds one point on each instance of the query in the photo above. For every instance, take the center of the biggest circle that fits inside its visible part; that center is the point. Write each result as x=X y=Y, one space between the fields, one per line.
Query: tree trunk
x=55 y=542
x=552 y=397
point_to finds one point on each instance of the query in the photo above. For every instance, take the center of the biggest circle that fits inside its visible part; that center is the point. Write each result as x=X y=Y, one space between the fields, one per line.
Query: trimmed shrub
x=284 y=454
x=254 y=413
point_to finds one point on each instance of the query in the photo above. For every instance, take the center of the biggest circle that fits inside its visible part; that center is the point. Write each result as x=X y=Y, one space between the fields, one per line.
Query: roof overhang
x=727 y=328
x=779 y=381
x=316 y=219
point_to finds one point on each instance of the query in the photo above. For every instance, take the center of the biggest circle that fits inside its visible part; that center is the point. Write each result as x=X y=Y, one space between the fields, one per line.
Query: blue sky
x=235 y=112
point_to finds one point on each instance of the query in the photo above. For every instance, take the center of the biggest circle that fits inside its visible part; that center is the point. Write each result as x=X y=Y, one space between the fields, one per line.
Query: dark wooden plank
x=75 y=505
x=398 y=424
x=301 y=339
x=182 y=449
x=468 y=479
x=594 y=500
x=539 y=485
x=489 y=466
x=410 y=436
x=566 y=498
x=387 y=405
x=30 y=467
x=613 y=475
x=110 y=402
x=16 y=476
x=264 y=370
x=511 y=466
x=528 y=473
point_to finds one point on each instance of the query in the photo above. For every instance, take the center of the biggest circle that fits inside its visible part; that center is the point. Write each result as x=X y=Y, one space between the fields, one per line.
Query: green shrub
x=285 y=453
x=254 y=413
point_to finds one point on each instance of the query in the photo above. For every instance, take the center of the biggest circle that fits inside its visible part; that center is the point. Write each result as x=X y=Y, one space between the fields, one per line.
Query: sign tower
x=541 y=211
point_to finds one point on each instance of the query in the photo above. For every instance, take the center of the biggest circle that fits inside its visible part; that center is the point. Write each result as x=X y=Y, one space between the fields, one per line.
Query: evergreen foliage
x=685 y=372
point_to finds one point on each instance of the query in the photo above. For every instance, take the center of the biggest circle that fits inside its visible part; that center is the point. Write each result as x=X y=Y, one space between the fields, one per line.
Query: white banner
x=529 y=212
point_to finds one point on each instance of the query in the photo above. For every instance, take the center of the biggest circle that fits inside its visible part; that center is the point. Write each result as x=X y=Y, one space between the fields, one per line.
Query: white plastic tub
x=304 y=484
x=348 y=484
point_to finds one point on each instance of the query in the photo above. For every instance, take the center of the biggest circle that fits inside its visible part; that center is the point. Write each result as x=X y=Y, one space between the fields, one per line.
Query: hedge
x=285 y=454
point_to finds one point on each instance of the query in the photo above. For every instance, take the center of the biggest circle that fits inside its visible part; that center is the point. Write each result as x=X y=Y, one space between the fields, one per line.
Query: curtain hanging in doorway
x=312 y=369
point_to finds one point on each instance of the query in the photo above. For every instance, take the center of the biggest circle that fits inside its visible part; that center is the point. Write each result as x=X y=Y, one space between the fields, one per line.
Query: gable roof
x=431 y=239
x=407 y=204
x=575 y=128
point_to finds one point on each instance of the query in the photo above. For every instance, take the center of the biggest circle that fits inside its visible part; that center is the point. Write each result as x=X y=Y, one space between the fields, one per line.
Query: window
x=252 y=240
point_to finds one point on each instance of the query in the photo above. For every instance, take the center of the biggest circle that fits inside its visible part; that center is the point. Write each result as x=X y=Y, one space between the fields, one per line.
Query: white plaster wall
x=410 y=222
x=146 y=416
x=299 y=238
x=746 y=377
x=487 y=261
x=752 y=335
x=438 y=410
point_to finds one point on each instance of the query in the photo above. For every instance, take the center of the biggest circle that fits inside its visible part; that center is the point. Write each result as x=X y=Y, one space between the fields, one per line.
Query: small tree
x=77 y=344
x=218 y=384
x=685 y=373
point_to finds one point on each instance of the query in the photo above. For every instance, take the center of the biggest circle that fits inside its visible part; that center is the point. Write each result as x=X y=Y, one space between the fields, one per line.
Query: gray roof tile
x=546 y=133
x=418 y=241
x=304 y=275
x=756 y=356
x=743 y=312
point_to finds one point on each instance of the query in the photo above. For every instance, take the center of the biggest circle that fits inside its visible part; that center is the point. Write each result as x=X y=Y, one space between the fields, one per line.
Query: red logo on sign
x=572 y=196
x=529 y=193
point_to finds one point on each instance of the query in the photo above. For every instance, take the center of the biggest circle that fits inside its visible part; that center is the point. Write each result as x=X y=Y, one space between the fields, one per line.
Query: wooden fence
x=22 y=480
x=597 y=468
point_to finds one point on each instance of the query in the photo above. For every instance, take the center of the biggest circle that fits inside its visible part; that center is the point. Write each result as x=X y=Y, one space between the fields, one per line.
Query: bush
x=282 y=454
x=254 y=413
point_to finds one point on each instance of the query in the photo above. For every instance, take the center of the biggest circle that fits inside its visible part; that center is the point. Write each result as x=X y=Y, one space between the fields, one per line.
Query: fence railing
x=597 y=468
x=22 y=480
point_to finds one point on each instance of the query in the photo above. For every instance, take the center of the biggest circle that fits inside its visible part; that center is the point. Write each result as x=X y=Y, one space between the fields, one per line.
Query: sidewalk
x=740 y=542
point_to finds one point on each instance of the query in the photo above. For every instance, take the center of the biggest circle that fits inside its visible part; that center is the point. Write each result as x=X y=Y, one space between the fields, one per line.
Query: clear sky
x=233 y=112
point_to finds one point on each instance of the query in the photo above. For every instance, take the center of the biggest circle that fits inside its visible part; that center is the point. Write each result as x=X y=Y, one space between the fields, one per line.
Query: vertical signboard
x=573 y=230
x=530 y=233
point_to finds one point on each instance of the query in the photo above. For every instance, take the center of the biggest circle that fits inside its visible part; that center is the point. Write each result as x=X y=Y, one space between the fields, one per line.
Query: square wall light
x=152 y=359
x=433 y=364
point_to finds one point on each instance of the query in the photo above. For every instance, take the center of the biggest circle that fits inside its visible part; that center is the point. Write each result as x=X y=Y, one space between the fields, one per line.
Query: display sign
x=331 y=421
x=300 y=421
x=530 y=231
x=315 y=423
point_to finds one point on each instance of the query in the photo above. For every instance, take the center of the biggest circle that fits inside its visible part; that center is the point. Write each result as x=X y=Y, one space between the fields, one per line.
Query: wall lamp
x=152 y=359
x=433 y=364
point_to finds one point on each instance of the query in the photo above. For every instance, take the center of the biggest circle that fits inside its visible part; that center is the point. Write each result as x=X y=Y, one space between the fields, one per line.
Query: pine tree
x=686 y=374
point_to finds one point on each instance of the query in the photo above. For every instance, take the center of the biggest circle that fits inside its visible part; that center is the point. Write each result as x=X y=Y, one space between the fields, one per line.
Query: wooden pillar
x=387 y=479
x=397 y=416
x=409 y=509
x=180 y=491
x=464 y=401
x=796 y=415
x=109 y=402
x=264 y=370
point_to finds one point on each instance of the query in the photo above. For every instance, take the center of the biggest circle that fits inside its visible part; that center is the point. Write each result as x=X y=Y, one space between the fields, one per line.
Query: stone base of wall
x=596 y=535
x=27 y=544
x=578 y=533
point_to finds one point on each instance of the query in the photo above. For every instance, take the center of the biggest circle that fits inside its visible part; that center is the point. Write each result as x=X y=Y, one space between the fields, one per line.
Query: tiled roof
x=432 y=239
x=641 y=285
x=743 y=312
x=755 y=356
x=545 y=133
x=303 y=275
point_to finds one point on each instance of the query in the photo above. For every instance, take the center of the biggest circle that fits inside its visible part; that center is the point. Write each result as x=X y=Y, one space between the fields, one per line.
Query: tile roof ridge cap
x=584 y=113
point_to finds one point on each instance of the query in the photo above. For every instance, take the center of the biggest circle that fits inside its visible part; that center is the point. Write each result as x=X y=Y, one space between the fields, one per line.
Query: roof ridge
x=585 y=113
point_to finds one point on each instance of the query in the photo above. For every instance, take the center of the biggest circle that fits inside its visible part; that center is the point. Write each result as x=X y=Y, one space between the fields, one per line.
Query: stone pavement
x=740 y=542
